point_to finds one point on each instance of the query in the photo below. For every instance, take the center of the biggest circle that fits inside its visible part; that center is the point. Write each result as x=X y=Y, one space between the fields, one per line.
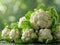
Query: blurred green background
x=12 y=10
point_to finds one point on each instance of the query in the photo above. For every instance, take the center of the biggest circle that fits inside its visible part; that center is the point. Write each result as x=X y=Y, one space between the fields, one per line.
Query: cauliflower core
x=14 y=34
x=5 y=32
x=28 y=34
x=41 y=19
x=45 y=34
x=20 y=21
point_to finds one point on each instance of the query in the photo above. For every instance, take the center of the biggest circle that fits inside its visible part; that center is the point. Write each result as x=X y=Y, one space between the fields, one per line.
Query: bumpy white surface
x=14 y=34
x=28 y=34
x=45 y=34
x=20 y=21
x=57 y=33
x=41 y=19
x=5 y=32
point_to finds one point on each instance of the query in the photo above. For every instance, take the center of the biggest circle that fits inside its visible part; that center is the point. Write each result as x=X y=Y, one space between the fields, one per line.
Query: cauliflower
x=28 y=34
x=45 y=34
x=14 y=34
x=57 y=32
x=5 y=32
x=20 y=21
x=41 y=19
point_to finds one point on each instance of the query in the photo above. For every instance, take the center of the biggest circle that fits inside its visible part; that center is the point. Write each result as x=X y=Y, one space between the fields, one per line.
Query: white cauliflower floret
x=20 y=21
x=28 y=34
x=57 y=33
x=14 y=34
x=5 y=32
x=41 y=19
x=45 y=34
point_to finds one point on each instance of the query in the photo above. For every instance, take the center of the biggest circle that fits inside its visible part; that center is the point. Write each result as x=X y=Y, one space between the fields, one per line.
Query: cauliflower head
x=28 y=34
x=5 y=32
x=20 y=21
x=45 y=35
x=41 y=19
x=56 y=31
x=14 y=34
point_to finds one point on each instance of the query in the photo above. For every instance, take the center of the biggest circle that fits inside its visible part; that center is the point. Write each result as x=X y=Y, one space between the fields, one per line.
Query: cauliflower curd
x=5 y=32
x=20 y=21
x=28 y=34
x=14 y=34
x=45 y=34
x=57 y=33
x=41 y=19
